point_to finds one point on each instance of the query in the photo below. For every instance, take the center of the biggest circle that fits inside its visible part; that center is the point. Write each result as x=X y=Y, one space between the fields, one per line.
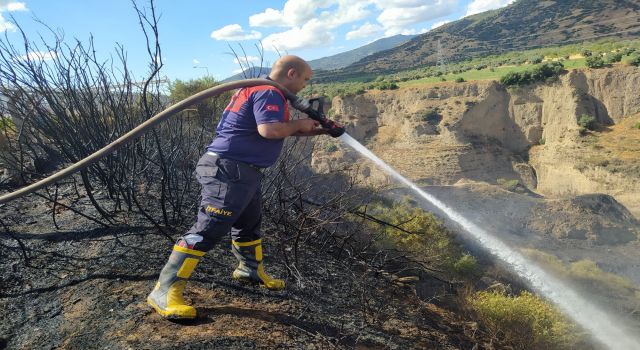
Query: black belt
x=214 y=154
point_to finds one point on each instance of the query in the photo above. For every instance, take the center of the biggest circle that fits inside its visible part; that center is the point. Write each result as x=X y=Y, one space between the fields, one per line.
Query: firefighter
x=249 y=138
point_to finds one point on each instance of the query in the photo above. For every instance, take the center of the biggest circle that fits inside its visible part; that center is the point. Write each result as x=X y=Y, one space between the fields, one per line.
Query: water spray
x=607 y=330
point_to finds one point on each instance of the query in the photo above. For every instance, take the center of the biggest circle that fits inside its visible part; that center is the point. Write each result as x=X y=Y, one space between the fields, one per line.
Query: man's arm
x=299 y=127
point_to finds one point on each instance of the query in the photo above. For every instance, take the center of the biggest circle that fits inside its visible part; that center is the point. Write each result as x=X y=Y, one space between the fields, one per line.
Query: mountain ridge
x=522 y=25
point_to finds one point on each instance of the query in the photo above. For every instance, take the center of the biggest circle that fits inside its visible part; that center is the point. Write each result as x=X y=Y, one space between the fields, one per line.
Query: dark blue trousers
x=230 y=202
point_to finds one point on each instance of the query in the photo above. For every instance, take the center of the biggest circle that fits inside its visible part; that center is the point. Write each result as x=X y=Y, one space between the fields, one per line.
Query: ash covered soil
x=84 y=287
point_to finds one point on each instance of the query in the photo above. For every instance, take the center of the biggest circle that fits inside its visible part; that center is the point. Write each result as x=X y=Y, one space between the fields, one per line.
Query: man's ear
x=291 y=73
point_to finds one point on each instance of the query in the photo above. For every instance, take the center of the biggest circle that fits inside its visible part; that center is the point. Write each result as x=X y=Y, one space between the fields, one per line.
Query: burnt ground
x=84 y=287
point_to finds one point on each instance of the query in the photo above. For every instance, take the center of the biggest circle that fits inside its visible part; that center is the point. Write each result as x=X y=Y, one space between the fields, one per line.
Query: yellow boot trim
x=187 y=267
x=268 y=281
x=259 y=253
x=188 y=251
x=246 y=244
x=176 y=307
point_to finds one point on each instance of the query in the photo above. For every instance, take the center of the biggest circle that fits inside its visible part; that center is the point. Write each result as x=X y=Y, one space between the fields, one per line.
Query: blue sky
x=196 y=35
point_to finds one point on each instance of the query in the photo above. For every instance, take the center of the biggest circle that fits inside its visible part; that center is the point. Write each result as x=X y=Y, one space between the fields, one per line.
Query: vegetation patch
x=420 y=233
x=587 y=122
x=595 y=62
x=525 y=321
x=541 y=72
x=587 y=273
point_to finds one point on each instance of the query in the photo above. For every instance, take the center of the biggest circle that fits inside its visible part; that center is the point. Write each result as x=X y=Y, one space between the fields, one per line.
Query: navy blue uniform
x=230 y=172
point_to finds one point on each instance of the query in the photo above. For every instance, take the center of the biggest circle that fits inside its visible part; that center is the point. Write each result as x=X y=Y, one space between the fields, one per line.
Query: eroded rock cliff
x=439 y=134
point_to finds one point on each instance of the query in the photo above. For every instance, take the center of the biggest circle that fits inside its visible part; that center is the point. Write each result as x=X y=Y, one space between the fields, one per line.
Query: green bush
x=541 y=141
x=525 y=321
x=616 y=57
x=539 y=73
x=423 y=236
x=466 y=265
x=509 y=185
x=588 y=270
x=459 y=80
x=635 y=61
x=594 y=62
x=331 y=148
x=587 y=53
x=535 y=59
x=586 y=121
x=6 y=123
x=637 y=126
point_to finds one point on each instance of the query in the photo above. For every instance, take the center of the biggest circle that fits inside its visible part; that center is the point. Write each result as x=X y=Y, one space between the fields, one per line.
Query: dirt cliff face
x=439 y=134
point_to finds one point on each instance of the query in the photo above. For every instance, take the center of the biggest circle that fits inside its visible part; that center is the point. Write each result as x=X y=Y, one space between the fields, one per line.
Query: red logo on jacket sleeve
x=272 y=108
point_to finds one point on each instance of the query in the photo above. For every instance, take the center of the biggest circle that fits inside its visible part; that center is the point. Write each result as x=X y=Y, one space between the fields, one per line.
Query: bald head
x=292 y=72
x=285 y=63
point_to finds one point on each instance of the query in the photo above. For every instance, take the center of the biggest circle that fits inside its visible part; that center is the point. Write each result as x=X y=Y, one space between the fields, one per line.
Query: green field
x=480 y=68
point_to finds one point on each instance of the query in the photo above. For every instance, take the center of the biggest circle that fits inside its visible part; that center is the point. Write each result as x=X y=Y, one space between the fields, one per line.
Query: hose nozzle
x=313 y=108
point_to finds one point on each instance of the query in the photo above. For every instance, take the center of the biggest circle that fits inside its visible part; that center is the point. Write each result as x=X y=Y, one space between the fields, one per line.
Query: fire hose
x=299 y=103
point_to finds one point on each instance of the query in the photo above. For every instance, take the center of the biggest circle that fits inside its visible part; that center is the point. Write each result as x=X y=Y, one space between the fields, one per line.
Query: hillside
x=522 y=25
x=335 y=61
x=346 y=58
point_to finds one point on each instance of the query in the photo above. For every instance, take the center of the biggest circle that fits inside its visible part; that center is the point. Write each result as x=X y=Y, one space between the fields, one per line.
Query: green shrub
x=525 y=321
x=6 y=123
x=586 y=121
x=616 y=57
x=587 y=53
x=466 y=265
x=331 y=148
x=594 y=62
x=637 y=126
x=509 y=185
x=588 y=270
x=635 y=61
x=459 y=80
x=538 y=73
x=535 y=59
x=541 y=141
x=423 y=236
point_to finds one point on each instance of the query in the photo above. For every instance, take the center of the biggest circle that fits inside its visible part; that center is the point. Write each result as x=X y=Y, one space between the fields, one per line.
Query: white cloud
x=16 y=6
x=246 y=59
x=307 y=27
x=477 y=6
x=5 y=25
x=196 y=62
x=237 y=71
x=366 y=30
x=234 y=32
x=269 y=18
x=438 y=24
x=348 y=11
x=39 y=56
x=398 y=15
x=294 y=13
x=9 y=6
x=312 y=34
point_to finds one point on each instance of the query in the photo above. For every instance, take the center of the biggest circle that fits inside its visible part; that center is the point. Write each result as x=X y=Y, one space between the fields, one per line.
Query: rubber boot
x=166 y=298
x=250 y=268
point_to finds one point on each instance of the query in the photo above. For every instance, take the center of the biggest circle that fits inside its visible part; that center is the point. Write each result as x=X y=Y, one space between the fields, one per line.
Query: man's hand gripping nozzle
x=314 y=109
